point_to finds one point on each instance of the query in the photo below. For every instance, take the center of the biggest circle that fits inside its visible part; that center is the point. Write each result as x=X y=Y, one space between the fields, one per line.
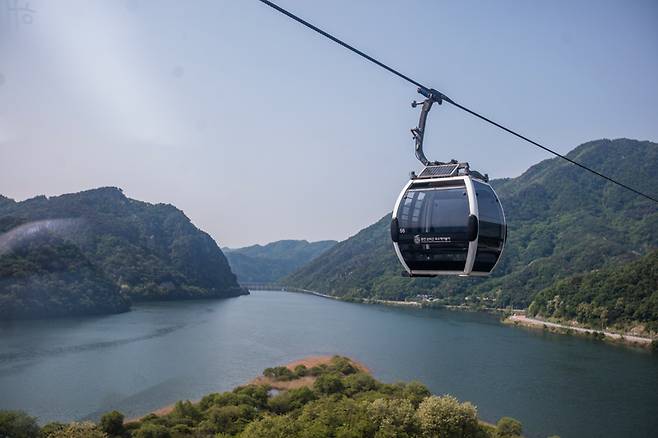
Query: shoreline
x=563 y=329
x=419 y=304
x=518 y=318
x=428 y=304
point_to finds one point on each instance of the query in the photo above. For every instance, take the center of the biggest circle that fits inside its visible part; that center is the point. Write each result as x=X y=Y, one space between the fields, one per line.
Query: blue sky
x=262 y=130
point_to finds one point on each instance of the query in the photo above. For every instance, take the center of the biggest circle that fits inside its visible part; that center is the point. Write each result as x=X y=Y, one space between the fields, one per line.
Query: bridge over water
x=272 y=286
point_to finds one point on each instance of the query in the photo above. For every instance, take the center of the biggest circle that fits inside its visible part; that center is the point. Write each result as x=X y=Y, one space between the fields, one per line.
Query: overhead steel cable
x=557 y=154
x=340 y=42
x=446 y=98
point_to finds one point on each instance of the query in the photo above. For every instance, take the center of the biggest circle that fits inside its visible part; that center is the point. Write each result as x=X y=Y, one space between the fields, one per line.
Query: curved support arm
x=418 y=133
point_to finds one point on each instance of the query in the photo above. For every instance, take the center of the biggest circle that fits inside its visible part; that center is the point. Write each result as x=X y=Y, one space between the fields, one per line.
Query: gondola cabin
x=448 y=221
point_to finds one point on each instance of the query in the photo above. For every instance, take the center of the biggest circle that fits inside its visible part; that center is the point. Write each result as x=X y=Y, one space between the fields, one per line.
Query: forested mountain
x=562 y=221
x=77 y=251
x=271 y=262
x=616 y=295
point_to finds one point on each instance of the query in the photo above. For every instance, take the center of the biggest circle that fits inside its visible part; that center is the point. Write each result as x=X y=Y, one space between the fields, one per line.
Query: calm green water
x=79 y=368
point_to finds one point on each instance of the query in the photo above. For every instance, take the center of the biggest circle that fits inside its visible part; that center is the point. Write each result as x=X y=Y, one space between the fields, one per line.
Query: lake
x=78 y=368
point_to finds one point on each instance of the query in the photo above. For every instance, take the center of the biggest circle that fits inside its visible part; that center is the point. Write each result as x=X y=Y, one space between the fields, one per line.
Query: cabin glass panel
x=433 y=225
x=492 y=228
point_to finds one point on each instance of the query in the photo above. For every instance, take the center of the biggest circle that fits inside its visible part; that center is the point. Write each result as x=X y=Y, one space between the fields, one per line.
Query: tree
x=393 y=418
x=150 y=430
x=328 y=384
x=185 y=409
x=359 y=382
x=17 y=424
x=603 y=315
x=112 y=423
x=272 y=427
x=508 y=427
x=416 y=392
x=445 y=417
x=301 y=370
x=335 y=416
x=290 y=400
x=343 y=365
x=78 y=430
x=50 y=428
x=279 y=373
x=229 y=419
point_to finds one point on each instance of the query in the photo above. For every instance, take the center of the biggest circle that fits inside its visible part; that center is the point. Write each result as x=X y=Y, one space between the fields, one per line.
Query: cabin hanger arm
x=432 y=96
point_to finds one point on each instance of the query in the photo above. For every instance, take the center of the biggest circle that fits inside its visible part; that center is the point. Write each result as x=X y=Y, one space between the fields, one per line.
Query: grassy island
x=316 y=397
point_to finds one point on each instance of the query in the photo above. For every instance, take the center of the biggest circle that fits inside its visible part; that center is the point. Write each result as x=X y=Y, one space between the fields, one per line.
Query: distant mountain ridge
x=146 y=251
x=269 y=263
x=562 y=221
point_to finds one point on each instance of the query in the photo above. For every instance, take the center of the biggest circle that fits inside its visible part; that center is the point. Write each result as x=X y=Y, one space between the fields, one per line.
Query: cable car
x=447 y=220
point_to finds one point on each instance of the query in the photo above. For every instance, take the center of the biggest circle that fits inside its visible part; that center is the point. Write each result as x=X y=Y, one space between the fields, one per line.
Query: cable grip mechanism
x=432 y=96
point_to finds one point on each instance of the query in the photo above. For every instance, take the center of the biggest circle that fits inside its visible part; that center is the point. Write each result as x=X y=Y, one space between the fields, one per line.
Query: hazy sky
x=261 y=130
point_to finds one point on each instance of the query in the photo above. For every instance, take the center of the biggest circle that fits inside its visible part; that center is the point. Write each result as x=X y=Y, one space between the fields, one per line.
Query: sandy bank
x=525 y=321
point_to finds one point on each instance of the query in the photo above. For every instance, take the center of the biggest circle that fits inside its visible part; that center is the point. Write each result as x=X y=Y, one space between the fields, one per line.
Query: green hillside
x=147 y=251
x=614 y=296
x=269 y=263
x=561 y=220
